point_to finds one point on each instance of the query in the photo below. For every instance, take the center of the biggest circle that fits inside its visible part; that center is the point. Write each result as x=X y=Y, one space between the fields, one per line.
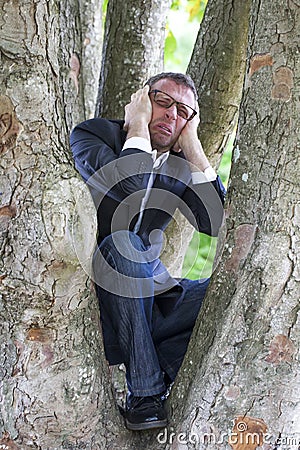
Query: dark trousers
x=152 y=344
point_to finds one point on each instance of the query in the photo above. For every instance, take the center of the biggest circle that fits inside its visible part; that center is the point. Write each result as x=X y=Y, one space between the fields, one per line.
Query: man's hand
x=189 y=143
x=138 y=114
x=188 y=138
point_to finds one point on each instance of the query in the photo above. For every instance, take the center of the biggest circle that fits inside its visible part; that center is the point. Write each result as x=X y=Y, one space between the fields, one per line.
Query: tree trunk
x=218 y=66
x=53 y=372
x=132 y=51
x=89 y=23
x=241 y=372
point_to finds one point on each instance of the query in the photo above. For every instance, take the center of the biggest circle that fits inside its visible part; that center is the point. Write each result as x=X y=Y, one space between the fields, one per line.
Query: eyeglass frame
x=194 y=113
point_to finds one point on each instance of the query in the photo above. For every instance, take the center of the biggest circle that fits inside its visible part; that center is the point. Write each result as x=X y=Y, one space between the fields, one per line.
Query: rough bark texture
x=218 y=65
x=241 y=372
x=53 y=372
x=132 y=51
x=89 y=24
x=177 y=239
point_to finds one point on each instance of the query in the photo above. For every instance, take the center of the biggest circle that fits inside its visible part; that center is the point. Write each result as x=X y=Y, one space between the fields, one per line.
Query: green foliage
x=199 y=258
x=171 y=48
x=182 y=28
x=196 y=9
x=176 y=5
x=104 y=9
x=225 y=165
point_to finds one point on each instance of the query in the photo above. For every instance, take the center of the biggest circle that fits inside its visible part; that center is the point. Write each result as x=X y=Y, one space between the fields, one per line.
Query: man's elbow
x=212 y=222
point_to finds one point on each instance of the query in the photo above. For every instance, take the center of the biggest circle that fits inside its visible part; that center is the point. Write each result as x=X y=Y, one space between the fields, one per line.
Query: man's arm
x=203 y=206
x=205 y=197
x=96 y=145
x=192 y=149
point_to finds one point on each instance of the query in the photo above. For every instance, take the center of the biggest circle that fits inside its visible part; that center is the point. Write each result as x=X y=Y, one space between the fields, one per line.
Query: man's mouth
x=164 y=128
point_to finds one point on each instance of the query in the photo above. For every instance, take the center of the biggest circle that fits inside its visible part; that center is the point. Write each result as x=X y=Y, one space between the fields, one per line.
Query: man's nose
x=171 y=113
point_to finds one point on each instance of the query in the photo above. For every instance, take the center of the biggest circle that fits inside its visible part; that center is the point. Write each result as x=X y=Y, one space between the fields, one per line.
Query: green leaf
x=171 y=43
x=170 y=47
x=196 y=9
x=104 y=10
x=176 y=5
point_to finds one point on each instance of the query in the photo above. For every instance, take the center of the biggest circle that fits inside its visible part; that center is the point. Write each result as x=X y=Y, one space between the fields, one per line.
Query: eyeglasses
x=166 y=101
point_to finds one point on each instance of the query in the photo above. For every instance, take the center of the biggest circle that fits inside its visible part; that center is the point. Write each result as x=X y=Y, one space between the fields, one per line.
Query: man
x=139 y=171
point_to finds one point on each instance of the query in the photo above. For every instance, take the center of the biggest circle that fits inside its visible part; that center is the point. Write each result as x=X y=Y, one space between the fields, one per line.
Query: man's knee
x=120 y=266
x=123 y=244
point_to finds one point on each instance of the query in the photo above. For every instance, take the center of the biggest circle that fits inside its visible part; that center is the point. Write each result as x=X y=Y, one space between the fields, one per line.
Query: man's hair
x=179 y=78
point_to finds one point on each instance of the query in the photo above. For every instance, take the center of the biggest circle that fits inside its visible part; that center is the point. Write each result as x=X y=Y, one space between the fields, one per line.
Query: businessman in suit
x=139 y=171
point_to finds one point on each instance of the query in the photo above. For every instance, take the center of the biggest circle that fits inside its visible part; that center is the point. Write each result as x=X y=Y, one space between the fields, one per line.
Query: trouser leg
x=171 y=334
x=124 y=275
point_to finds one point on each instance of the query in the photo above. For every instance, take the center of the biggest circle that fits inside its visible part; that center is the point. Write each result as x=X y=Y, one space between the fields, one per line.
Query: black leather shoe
x=144 y=413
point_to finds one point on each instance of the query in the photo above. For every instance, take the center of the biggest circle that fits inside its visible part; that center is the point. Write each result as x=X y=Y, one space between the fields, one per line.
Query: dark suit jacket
x=117 y=181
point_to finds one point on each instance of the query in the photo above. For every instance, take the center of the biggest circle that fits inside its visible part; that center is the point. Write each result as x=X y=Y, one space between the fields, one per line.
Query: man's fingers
x=138 y=109
x=140 y=92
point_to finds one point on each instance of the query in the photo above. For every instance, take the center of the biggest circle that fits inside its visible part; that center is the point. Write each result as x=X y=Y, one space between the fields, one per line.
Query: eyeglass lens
x=166 y=101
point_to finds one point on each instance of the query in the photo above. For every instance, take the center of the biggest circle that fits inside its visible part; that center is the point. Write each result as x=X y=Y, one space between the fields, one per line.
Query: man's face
x=166 y=126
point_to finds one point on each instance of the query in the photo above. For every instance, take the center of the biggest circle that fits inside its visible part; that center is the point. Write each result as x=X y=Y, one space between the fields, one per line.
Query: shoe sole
x=146 y=425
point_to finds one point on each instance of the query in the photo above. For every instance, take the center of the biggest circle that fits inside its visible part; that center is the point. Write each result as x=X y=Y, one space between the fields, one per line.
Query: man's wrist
x=138 y=128
x=138 y=142
x=195 y=155
x=203 y=177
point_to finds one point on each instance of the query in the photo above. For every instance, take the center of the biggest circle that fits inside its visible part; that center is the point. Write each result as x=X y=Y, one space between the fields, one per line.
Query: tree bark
x=218 y=66
x=89 y=24
x=53 y=372
x=132 y=51
x=241 y=372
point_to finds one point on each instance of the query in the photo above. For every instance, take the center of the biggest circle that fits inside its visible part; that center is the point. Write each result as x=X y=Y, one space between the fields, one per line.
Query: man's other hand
x=138 y=114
